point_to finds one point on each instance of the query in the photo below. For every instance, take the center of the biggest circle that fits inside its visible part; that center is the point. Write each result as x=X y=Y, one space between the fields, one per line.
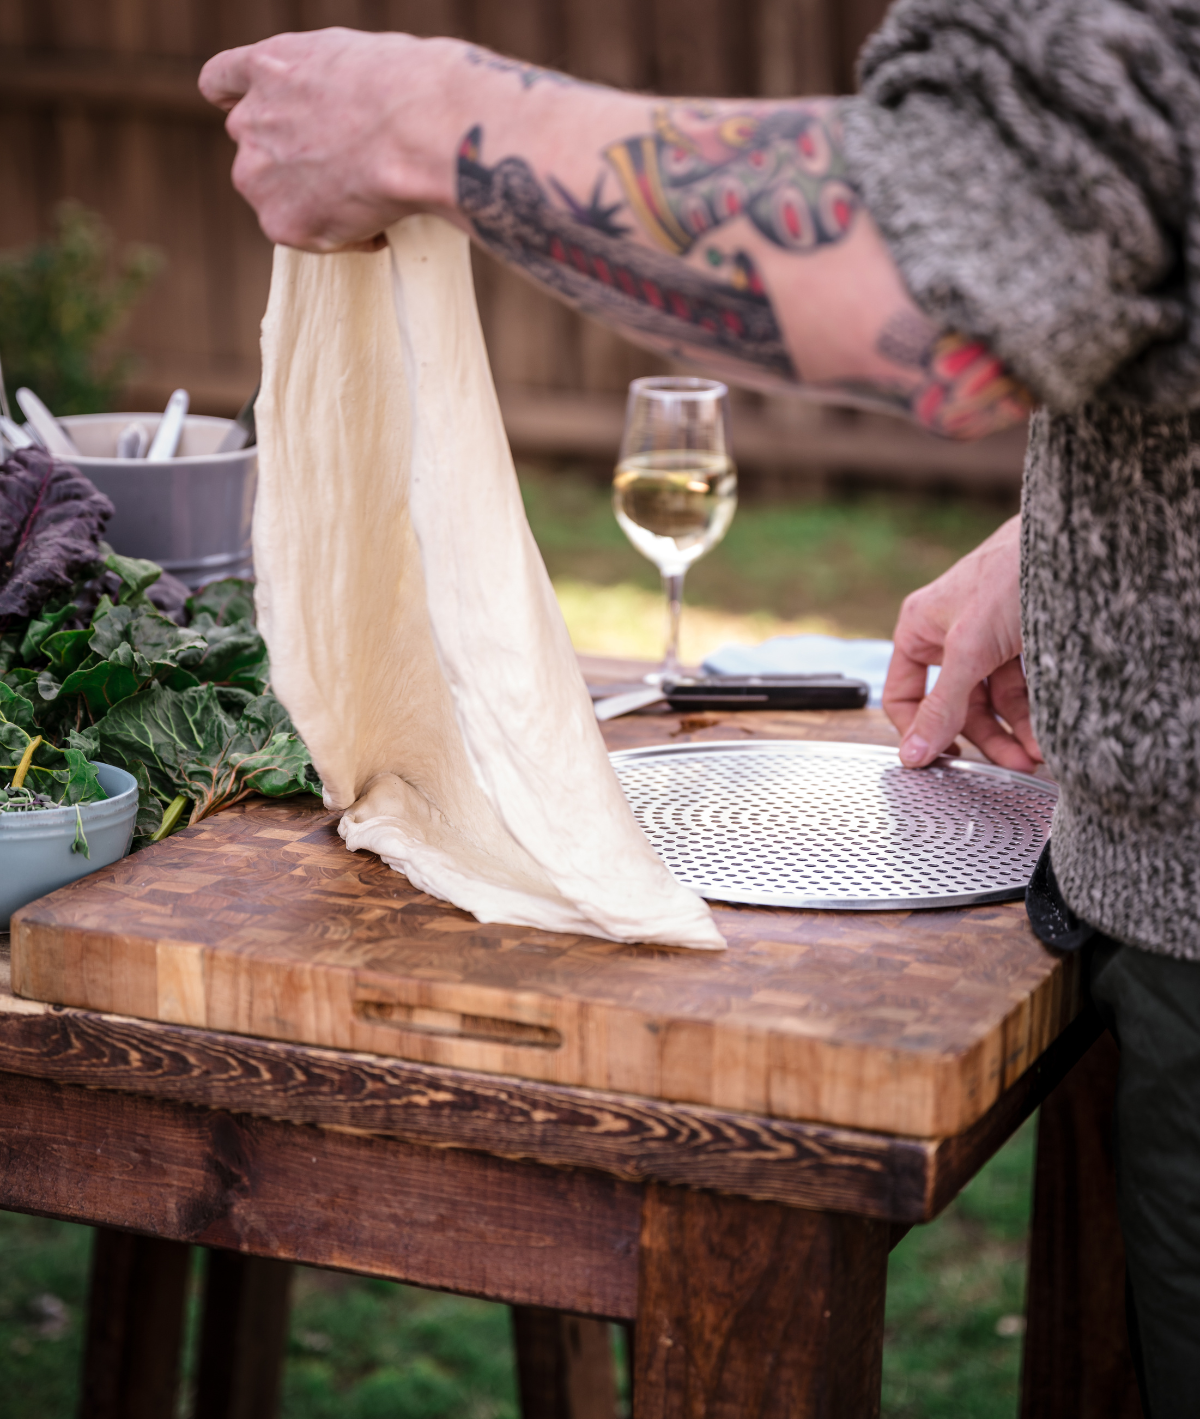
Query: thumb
x=937 y=722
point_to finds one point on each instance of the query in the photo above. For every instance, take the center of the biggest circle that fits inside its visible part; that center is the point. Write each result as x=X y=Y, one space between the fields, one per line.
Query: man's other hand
x=968 y=621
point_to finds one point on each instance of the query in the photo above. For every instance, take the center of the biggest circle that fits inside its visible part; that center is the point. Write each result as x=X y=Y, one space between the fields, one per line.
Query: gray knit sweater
x=1035 y=168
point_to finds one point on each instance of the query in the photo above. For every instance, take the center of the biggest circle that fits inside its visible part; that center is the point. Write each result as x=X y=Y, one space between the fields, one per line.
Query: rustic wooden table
x=268 y=1047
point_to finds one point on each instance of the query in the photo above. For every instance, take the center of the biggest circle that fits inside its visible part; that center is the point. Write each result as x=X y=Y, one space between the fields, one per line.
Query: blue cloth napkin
x=810 y=655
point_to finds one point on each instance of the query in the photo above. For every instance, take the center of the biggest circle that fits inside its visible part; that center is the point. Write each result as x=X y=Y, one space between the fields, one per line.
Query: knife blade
x=616 y=705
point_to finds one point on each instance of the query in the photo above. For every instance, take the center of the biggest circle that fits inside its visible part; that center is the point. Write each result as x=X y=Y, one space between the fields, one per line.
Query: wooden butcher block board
x=259 y=921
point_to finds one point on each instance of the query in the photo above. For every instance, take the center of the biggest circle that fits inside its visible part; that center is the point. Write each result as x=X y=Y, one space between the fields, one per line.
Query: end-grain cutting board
x=259 y=921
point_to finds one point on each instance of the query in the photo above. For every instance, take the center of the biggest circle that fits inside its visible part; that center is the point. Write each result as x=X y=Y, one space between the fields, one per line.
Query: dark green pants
x=1151 y=1004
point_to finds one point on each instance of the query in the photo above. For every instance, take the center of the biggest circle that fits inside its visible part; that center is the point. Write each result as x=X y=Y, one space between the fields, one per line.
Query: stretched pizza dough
x=414 y=635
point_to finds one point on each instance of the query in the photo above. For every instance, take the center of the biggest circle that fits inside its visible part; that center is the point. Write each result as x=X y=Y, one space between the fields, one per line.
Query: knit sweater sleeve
x=1034 y=166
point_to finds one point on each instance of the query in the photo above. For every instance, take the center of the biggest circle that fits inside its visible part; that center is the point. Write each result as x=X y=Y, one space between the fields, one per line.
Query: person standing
x=1007 y=214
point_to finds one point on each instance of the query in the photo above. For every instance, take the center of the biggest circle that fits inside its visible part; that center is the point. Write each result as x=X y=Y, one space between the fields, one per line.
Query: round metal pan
x=842 y=827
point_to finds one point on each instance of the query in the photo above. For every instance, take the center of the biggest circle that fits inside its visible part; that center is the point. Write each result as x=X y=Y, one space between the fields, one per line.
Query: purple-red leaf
x=50 y=523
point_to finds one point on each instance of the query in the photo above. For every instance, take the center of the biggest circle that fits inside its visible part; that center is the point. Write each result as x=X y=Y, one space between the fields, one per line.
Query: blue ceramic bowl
x=35 y=848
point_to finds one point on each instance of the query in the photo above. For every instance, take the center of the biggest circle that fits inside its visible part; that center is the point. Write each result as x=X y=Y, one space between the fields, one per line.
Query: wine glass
x=675 y=488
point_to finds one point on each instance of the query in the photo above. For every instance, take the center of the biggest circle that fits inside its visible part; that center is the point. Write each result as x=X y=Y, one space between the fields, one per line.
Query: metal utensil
x=170 y=427
x=14 y=434
x=42 y=421
x=836 y=827
x=133 y=441
x=613 y=706
x=243 y=431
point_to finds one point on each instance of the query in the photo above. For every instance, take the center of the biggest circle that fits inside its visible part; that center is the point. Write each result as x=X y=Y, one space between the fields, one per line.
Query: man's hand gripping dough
x=321 y=121
x=968 y=621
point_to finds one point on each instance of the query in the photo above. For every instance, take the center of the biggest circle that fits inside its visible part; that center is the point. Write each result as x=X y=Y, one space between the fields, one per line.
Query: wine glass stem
x=673 y=588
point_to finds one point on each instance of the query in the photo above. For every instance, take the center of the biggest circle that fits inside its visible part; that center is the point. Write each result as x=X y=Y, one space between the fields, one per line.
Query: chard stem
x=170 y=818
x=81 y=843
x=18 y=778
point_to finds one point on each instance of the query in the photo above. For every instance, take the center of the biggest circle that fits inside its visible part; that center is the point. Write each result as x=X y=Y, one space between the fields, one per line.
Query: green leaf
x=179 y=679
x=186 y=742
x=130 y=646
x=136 y=575
x=277 y=769
x=10 y=647
x=16 y=709
x=225 y=601
x=82 y=782
x=102 y=684
x=158 y=728
x=43 y=625
x=233 y=701
x=156 y=639
x=65 y=650
x=87 y=741
x=230 y=655
x=150 y=808
x=266 y=715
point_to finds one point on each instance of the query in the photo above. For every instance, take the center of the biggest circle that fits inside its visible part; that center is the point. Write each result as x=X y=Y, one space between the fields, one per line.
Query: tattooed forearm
x=581 y=252
x=702 y=167
x=706 y=201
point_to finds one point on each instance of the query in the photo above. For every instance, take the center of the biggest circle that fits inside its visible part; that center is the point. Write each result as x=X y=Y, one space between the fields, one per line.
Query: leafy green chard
x=35 y=775
x=185 y=709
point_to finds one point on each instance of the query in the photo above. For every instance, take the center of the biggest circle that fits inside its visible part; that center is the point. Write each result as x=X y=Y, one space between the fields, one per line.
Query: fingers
x=940 y=716
x=225 y=79
x=991 y=738
x=1009 y=694
x=977 y=715
x=904 y=688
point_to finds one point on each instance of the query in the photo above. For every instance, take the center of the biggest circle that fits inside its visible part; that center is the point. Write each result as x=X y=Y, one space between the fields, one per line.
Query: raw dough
x=414 y=635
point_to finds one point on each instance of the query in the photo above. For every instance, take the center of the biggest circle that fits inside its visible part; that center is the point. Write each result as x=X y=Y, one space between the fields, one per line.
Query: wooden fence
x=98 y=102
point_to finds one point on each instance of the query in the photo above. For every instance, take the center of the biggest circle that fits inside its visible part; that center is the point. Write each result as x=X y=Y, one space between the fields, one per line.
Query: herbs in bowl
x=114 y=663
x=61 y=816
x=61 y=778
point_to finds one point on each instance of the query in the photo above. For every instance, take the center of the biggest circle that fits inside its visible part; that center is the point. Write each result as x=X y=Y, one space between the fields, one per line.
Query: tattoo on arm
x=701 y=168
x=582 y=252
x=782 y=169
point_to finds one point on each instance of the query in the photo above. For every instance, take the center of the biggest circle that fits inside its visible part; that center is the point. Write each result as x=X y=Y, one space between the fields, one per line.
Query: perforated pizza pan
x=839 y=827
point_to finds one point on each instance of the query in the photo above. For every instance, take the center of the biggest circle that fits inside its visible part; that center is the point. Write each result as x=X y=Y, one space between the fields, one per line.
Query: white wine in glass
x=675 y=488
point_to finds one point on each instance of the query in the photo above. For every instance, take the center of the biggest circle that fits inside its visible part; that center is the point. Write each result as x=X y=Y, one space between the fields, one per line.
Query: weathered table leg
x=564 y=1365
x=135 y=1326
x=1077 y=1362
x=243 y=1336
x=751 y=1310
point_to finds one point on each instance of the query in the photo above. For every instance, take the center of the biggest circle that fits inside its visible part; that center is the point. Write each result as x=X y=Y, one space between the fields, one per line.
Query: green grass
x=956 y=1294
x=850 y=560
x=366 y=1349
x=41 y=1340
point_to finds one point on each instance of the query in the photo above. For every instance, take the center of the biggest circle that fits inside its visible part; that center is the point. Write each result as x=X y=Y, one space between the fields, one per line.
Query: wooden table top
x=258 y=922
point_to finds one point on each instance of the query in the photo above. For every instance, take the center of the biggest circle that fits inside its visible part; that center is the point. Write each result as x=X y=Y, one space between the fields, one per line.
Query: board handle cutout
x=452 y=1024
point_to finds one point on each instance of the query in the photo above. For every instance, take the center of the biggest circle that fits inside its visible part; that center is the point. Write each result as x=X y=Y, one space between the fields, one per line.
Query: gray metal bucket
x=190 y=514
x=35 y=848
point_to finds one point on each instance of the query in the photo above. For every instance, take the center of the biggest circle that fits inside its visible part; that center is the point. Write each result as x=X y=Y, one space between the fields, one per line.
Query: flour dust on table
x=414 y=634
